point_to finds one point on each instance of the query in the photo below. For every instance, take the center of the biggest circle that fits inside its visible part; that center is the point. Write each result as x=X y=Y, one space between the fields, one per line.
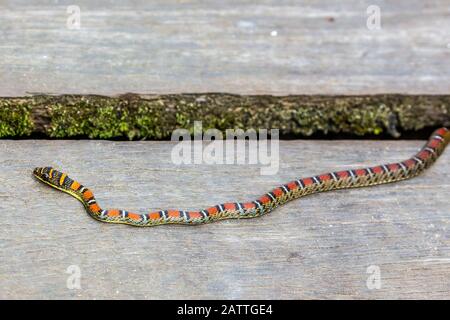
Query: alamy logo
x=374 y=279
x=239 y=147
x=74 y=19
x=74 y=278
x=374 y=17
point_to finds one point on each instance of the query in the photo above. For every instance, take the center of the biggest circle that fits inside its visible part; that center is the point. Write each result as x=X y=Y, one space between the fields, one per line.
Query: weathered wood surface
x=246 y=47
x=316 y=247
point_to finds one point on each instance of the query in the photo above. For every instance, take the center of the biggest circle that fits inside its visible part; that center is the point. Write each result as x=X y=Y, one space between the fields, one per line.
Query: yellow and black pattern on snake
x=297 y=188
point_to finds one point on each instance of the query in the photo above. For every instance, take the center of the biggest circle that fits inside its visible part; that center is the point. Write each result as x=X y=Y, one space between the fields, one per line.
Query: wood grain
x=243 y=47
x=316 y=247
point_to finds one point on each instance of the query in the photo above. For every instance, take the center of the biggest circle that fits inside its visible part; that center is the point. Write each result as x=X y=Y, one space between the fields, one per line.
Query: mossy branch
x=156 y=116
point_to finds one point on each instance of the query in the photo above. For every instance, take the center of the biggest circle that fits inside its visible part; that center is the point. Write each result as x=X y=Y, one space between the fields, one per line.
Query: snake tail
x=360 y=177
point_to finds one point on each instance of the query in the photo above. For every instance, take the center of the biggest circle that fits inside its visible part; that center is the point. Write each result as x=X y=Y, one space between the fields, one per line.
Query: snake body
x=295 y=189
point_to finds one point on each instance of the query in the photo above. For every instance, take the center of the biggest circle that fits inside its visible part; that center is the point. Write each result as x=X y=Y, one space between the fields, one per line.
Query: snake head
x=43 y=173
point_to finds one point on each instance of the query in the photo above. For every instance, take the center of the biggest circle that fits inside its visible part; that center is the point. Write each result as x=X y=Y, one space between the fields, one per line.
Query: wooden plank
x=245 y=47
x=320 y=246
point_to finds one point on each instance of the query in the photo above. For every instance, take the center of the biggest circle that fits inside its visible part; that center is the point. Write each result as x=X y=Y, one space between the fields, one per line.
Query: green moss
x=15 y=118
x=155 y=117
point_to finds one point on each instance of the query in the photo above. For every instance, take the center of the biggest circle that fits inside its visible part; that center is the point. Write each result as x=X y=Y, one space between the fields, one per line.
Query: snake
x=353 y=178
